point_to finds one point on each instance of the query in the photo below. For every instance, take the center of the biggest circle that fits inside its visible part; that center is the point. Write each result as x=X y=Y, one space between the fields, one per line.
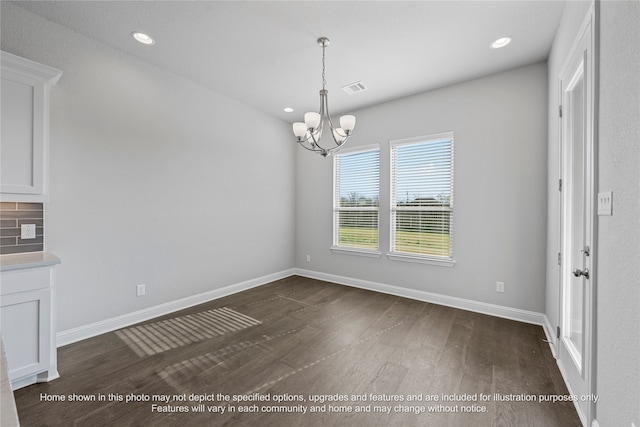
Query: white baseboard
x=455 y=302
x=563 y=372
x=83 y=332
x=551 y=336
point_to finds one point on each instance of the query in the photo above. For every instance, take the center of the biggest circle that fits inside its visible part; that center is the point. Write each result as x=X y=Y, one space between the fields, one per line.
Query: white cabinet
x=28 y=324
x=24 y=151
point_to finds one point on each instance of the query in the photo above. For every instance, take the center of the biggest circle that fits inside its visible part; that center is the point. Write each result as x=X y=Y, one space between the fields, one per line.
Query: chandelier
x=309 y=133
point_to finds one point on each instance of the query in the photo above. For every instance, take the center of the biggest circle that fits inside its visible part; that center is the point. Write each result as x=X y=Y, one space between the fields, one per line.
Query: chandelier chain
x=324 y=81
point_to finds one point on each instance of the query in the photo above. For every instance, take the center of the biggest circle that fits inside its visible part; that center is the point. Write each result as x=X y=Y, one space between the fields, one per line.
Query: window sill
x=441 y=262
x=355 y=251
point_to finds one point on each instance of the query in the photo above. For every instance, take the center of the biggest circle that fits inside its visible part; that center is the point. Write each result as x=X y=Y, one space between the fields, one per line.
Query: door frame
x=587 y=29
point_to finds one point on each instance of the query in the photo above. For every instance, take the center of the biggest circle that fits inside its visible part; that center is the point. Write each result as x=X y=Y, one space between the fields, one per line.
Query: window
x=356 y=200
x=422 y=198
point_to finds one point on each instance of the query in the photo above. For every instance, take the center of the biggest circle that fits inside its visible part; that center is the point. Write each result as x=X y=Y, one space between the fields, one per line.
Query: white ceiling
x=264 y=53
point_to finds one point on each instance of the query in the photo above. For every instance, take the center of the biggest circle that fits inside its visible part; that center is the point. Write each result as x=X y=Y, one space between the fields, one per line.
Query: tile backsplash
x=12 y=216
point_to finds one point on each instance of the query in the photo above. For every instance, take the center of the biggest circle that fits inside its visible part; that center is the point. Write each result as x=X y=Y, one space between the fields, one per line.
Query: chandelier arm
x=339 y=145
x=332 y=126
x=317 y=149
x=307 y=139
x=309 y=143
x=308 y=148
x=312 y=136
x=326 y=110
x=318 y=130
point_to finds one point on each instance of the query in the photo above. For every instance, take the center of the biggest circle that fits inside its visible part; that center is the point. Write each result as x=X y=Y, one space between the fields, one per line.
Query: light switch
x=605 y=203
x=28 y=231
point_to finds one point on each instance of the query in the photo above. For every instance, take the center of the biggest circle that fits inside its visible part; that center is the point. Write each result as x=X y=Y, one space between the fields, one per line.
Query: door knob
x=577 y=272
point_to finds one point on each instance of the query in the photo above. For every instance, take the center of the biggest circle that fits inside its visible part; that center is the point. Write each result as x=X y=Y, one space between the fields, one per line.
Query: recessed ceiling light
x=501 y=42
x=288 y=110
x=143 y=38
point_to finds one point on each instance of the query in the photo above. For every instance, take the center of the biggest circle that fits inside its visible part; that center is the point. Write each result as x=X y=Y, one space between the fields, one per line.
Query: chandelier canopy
x=309 y=133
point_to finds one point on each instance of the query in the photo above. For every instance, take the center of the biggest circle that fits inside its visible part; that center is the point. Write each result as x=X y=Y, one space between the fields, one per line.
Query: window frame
x=352 y=250
x=439 y=260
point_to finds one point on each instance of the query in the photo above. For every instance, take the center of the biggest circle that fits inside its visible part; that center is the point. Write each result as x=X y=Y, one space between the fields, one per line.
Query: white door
x=576 y=343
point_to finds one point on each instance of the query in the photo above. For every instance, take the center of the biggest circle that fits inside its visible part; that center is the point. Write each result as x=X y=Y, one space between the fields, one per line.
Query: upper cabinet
x=24 y=124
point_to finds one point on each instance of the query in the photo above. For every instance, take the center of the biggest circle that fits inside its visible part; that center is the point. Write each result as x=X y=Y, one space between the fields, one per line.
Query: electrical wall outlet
x=140 y=290
x=499 y=286
x=308 y=258
x=28 y=231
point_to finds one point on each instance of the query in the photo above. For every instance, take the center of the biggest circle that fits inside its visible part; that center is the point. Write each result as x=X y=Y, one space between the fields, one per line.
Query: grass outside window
x=410 y=242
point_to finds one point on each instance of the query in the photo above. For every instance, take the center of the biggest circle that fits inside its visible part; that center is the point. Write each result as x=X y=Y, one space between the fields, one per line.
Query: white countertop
x=27 y=260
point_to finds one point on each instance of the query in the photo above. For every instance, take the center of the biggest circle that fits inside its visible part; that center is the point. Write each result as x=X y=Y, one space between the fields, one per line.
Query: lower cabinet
x=28 y=325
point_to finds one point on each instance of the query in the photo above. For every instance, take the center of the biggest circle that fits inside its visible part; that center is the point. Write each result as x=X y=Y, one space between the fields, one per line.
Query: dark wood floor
x=299 y=338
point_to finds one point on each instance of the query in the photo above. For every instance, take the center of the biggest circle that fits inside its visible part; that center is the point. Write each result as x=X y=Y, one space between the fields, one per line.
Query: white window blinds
x=356 y=199
x=422 y=196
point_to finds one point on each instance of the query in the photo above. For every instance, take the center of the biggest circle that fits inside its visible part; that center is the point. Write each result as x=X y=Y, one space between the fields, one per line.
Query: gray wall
x=154 y=179
x=618 y=324
x=500 y=127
